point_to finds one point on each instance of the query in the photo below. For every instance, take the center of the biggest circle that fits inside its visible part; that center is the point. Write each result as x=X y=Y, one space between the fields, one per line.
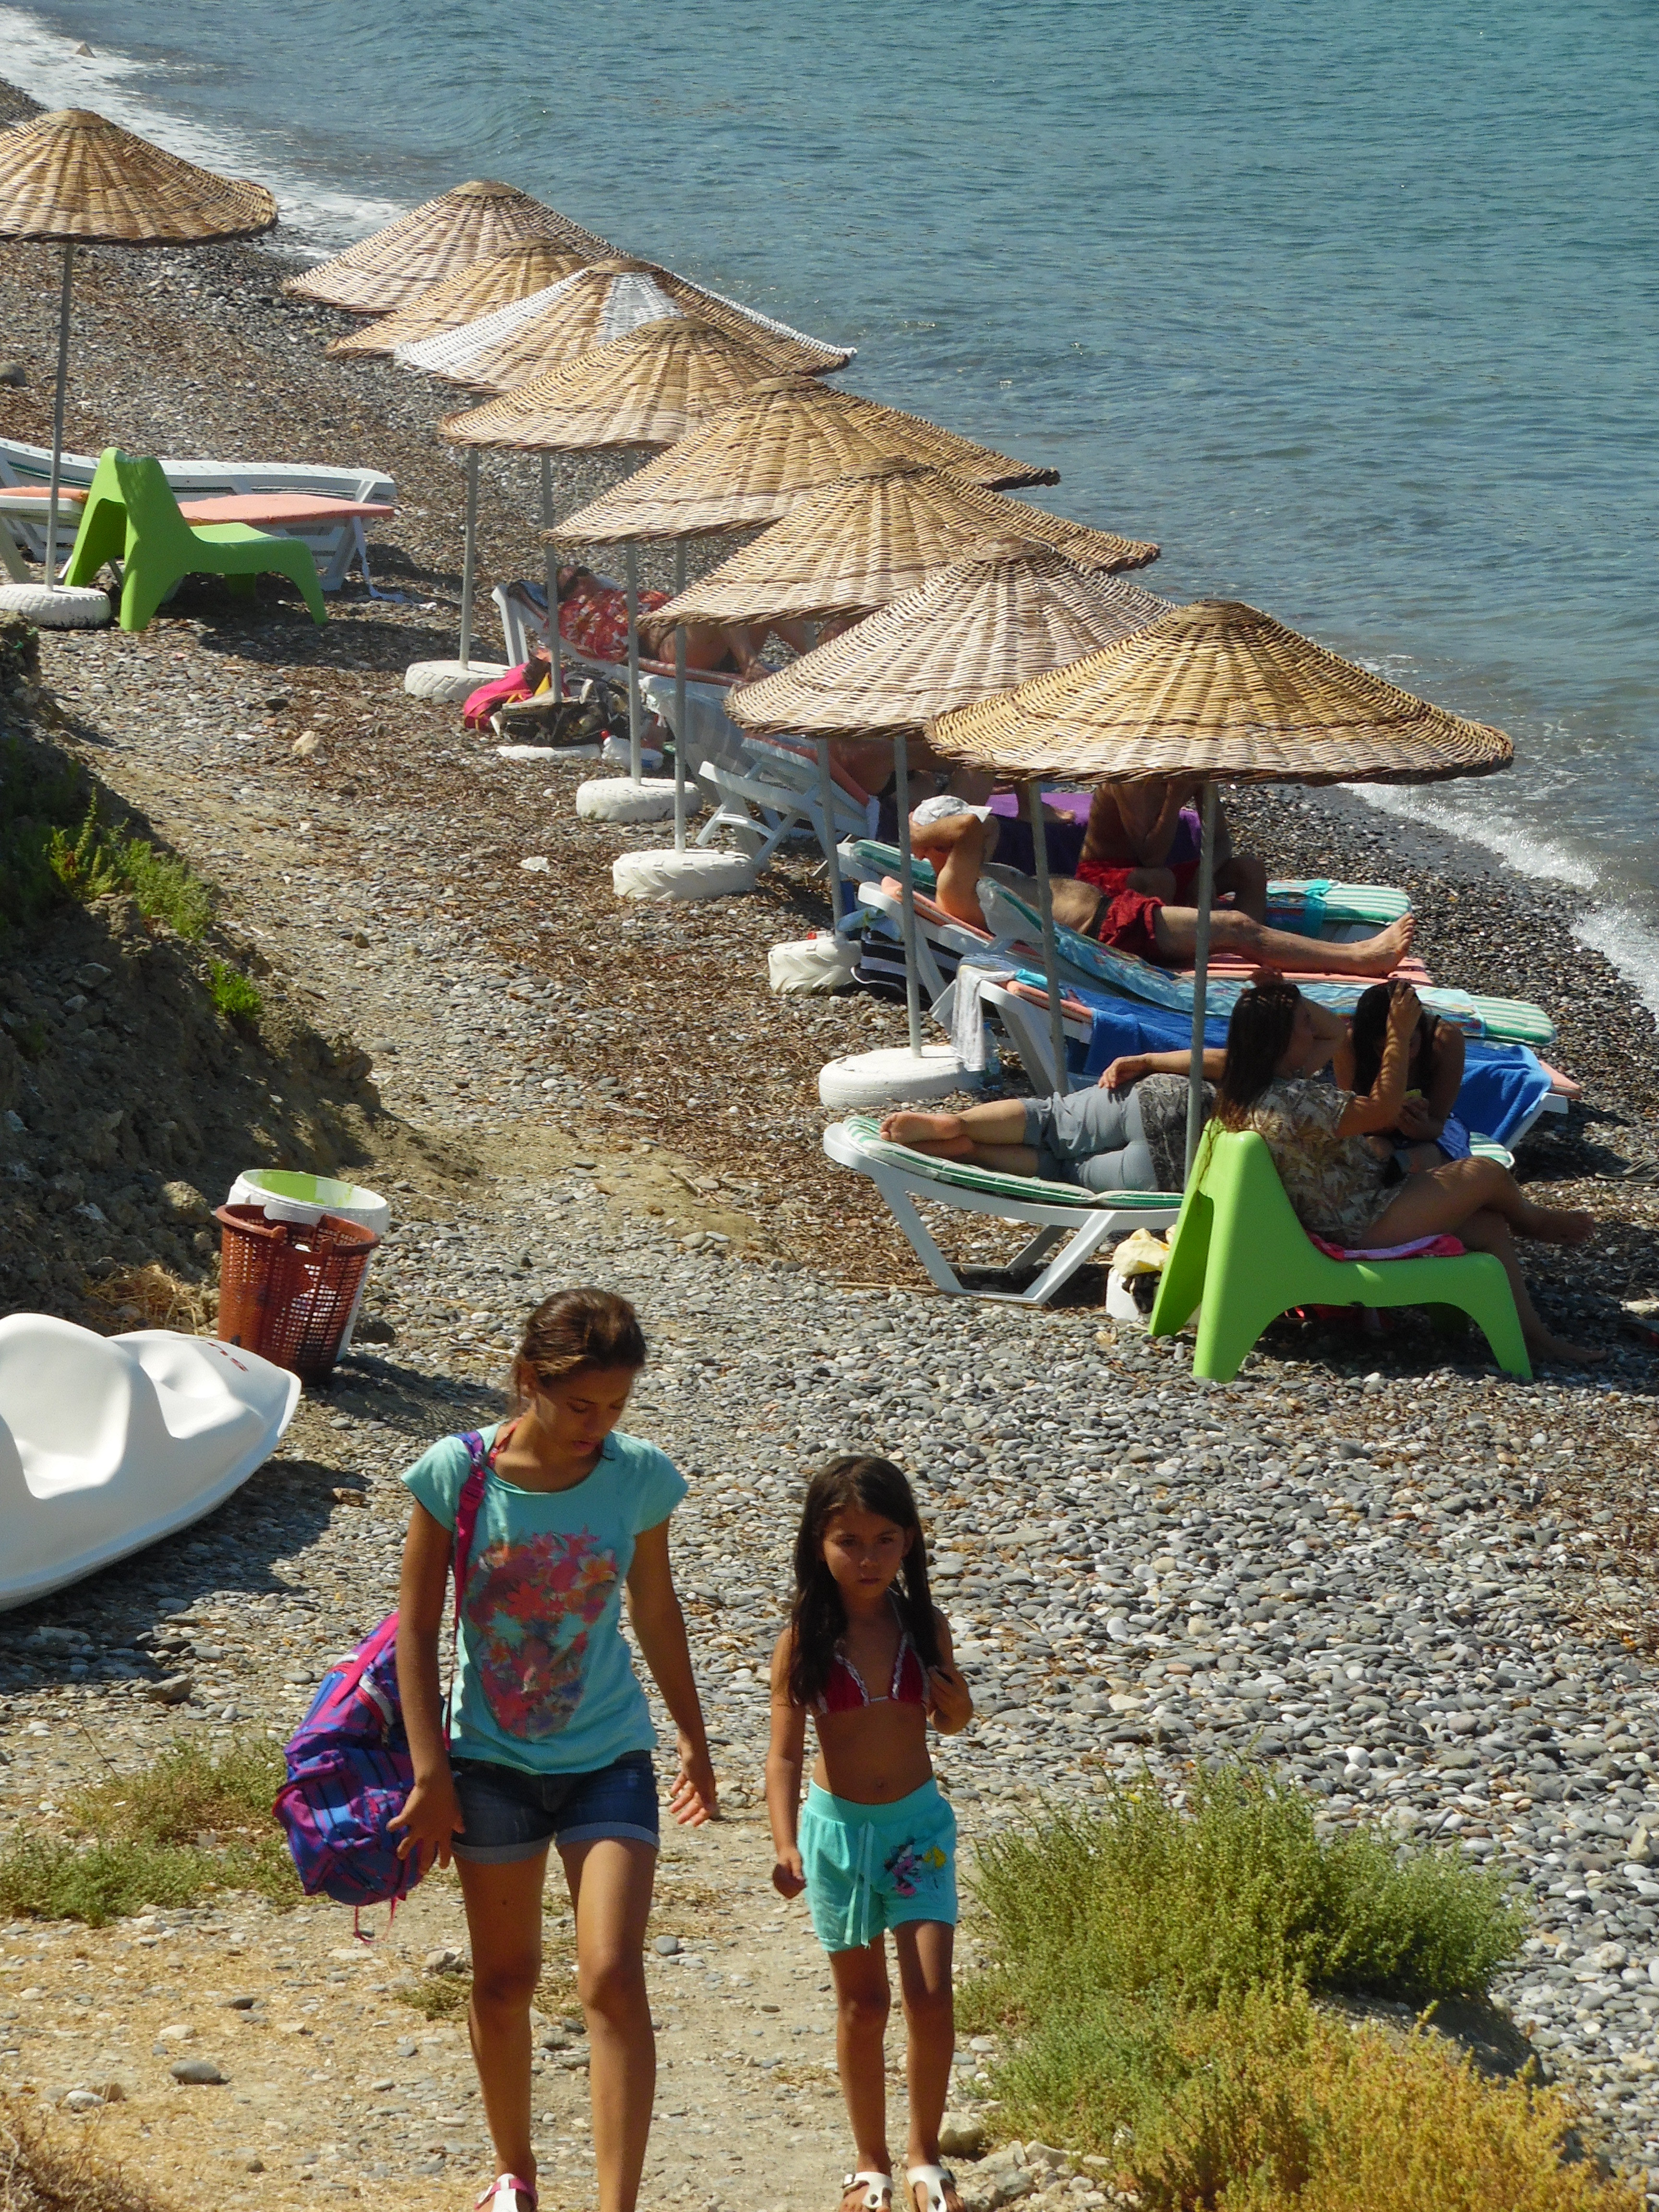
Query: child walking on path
x=867 y=1654
x=549 y=1738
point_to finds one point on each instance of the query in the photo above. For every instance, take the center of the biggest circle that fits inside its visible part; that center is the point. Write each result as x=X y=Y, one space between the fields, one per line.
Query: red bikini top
x=844 y=1691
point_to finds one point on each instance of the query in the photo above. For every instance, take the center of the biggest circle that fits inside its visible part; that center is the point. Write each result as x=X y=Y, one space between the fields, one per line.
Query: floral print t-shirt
x=544 y=1680
x=593 y=617
x=1334 y=1184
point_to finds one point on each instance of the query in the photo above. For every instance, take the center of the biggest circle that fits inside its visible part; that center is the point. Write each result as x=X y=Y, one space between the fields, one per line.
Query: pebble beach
x=1418 y=1591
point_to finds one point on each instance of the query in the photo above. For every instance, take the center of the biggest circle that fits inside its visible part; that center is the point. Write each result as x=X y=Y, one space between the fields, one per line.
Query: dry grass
x=149 y=1297
x=54 y=2169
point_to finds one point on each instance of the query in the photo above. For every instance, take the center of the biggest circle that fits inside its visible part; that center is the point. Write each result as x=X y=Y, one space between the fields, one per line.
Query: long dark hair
x=1371 y=1027
x=1258 y=1037
x=818 y=1619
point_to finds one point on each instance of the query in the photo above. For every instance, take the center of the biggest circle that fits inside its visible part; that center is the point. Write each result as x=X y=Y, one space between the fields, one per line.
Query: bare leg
x=1482 y=1203
x=610 y=1882
x=862 y=2001
x=1176 y=932
x=1444 y=1197
x=923 y=1949
x=504 y=1921
x=998 y=1121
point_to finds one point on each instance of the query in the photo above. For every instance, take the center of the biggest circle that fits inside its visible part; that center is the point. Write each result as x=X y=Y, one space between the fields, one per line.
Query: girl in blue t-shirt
x=549 y=1738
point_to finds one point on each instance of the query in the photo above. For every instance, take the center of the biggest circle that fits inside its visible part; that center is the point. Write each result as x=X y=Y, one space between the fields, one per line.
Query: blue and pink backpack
x=348 y=1767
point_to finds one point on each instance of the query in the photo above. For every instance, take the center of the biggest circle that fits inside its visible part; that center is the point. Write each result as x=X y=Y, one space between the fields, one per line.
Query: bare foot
x=928 y=1133
x=1381 y=954
x=855 y=2196
x=1572 y=1226
x=1569 y=1355
x=921 y=2199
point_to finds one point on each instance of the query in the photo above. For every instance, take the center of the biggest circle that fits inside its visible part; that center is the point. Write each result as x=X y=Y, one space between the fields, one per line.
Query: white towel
x=967 y=1017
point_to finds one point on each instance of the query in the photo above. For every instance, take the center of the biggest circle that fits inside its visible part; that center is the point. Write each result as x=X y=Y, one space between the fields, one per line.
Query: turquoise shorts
x=873 y=1867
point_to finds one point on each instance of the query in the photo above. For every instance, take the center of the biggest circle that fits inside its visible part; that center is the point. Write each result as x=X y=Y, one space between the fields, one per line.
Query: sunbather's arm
x=1131 y=1066
x=1151 y=815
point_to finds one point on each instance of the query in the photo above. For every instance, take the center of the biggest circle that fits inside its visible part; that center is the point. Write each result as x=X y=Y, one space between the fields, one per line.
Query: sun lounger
x=710 y=733
x=1240 y=1253
x=776 y=793
x=902 y=1177
x=336 y=543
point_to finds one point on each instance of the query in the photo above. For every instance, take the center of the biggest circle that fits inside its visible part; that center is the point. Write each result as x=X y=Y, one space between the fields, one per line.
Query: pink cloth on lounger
x=1420 y=1247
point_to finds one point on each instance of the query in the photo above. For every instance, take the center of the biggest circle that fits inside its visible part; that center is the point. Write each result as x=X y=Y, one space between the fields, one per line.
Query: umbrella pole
x=679 y=704
x=58 y=421
x=469 y=554
x=907 y=890
x=556 y=685
x=827 y=800
x=1201 y=972
x=1050 y=949
x=632 y=573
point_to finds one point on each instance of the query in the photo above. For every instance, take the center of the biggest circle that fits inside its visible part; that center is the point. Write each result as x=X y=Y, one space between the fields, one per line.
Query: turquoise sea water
x=1356 y=310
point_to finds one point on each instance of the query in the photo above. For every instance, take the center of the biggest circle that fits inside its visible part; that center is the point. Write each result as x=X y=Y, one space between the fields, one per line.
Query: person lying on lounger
x=1128 y=1132
x=962 y=844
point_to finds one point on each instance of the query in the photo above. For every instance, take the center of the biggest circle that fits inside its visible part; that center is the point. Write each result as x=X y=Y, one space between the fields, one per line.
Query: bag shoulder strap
x=466 y=1512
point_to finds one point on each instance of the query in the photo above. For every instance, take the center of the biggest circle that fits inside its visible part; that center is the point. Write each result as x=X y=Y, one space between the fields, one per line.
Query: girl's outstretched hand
x=788 y=1876
x=949 y=1701
x=693 y=1800
x=431 y=1818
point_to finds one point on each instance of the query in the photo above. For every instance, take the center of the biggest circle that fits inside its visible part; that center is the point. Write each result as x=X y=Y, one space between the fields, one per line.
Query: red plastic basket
x=287 y=1288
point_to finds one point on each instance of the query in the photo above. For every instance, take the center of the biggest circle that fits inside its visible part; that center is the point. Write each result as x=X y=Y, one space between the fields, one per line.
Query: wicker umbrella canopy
x=74 y=178
x=1007 y=604
x=390 y=267
x=640 y=389
x=749 y=462
x=480 y=287
x=881 y=531
x=1218 y=688
x=606 y=300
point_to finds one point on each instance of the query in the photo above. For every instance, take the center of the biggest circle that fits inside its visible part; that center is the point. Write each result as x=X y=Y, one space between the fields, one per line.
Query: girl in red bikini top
x=844 y=1691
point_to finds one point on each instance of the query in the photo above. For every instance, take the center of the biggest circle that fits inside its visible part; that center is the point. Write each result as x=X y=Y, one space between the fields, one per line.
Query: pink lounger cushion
x=1420 y=1247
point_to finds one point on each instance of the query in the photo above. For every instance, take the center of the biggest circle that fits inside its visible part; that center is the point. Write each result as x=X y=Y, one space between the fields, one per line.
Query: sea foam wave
x=317 y=218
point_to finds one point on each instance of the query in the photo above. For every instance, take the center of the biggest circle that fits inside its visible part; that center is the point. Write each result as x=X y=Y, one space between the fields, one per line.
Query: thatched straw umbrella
x=1007 y=604
x=71 y=178
x=477 y=288
x=879 y=533
x=390 y=267
x=605 y=301
x=1220 y=690
x=749 y=462
x=640 y=389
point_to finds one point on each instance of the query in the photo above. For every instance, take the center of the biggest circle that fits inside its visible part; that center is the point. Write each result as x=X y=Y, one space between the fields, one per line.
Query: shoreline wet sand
x=1360 y=1546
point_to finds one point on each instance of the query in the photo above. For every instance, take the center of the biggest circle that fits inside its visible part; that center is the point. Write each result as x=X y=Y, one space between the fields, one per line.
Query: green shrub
x=441 y=1996
x=97 y=861
x=1237 y=1891
x=232 y=995
x=190 y=1822
x=41 y=793
x=1262 y=2104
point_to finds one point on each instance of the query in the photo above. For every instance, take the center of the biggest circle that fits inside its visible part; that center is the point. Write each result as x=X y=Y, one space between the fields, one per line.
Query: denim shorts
x=510 y=1814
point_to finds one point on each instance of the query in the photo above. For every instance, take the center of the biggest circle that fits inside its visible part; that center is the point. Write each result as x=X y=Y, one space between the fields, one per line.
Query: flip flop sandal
x=877 y=2190
x=936 y=2180
x=503 y=2194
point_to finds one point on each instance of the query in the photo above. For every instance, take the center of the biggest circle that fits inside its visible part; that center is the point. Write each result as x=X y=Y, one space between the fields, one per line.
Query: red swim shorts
x=1106 y=876
x=1129 y=923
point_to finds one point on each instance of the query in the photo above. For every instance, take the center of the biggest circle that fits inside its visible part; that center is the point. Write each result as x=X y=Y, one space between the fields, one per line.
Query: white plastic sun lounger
x=108 y=1444
x=902 y=1177
x=335 y=546
x=774 y=795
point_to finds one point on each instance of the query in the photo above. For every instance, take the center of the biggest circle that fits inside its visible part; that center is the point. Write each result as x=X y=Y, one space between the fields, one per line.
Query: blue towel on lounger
x=1503 y=1084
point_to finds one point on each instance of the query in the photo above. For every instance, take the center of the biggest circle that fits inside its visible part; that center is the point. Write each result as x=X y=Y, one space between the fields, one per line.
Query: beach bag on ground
x=348 y=1767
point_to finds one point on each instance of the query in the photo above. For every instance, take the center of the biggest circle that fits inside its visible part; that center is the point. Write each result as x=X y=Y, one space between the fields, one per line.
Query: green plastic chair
x=1238 y=1250
x=131 y=516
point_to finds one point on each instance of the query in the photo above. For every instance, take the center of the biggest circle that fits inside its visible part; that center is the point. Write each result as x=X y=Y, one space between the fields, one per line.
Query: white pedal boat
x=108 y=1444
